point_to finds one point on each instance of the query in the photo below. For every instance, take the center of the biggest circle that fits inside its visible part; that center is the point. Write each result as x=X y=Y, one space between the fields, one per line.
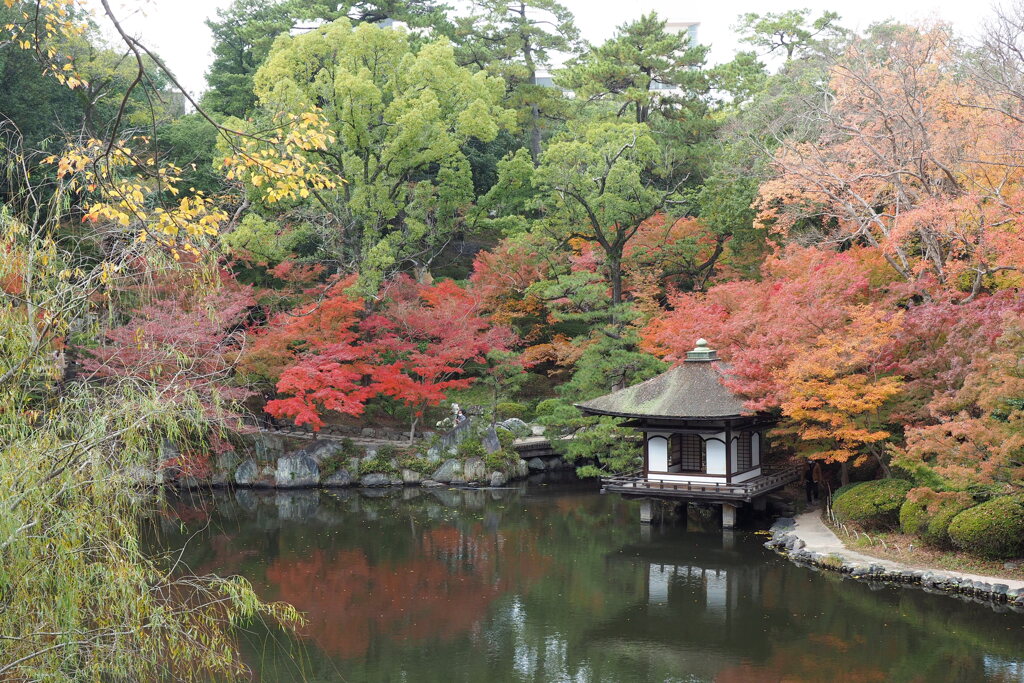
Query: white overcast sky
x=176 y=30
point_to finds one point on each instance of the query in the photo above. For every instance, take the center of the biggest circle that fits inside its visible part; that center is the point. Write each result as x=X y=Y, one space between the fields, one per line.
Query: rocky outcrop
x=450 y=471
x=338 y=479
x=296 y=471
x=474 y=470
x=250 y=474
x=374 y=480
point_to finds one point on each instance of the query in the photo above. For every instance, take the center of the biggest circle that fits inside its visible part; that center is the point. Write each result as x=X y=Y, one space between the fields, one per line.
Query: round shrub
x=927 y=513
x=872 y=504
x=547 y=407
x=509 y=409
x=994 y=529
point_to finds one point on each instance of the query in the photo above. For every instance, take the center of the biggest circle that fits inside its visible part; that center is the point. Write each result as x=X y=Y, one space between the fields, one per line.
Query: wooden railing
x=767 y=481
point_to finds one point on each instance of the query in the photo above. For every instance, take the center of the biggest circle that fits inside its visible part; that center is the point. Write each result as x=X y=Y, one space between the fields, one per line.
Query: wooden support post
x=728 y=516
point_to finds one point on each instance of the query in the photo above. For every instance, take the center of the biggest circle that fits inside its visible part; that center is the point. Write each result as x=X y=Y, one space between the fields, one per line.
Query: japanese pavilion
x=699 y=442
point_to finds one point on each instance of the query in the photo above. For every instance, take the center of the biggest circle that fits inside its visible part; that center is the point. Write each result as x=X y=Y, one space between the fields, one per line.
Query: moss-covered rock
x=871 y=504
x=992 y=529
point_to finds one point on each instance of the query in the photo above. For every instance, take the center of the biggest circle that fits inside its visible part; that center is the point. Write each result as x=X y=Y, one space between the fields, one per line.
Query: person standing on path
x=809 y=485
x=818 y=477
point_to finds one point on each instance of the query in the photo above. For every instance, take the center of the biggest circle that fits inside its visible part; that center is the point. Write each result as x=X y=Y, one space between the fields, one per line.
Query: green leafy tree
x=244 y=33
x=793 y=33
x=400 y=120
x=644 y=69
x=602 y=181
x=513 y=40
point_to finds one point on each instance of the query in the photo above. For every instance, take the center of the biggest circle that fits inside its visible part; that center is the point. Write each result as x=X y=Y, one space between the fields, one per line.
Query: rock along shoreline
x=806 y=540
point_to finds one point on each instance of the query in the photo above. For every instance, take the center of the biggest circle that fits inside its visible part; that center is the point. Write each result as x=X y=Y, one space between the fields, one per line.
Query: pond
x=557 y=582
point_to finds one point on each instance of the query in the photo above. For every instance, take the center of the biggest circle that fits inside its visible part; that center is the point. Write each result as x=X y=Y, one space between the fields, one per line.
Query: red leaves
x=186 y=343
x=335 y=357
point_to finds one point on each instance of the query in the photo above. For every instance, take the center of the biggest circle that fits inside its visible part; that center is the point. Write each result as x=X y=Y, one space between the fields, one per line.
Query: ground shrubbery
x=872 y=504
x=927 y=513
x=510 y=409
x=993 y=529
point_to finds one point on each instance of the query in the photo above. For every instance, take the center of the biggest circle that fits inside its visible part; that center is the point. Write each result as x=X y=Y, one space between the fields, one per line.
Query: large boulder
x=537 y=464
x=323 y=449
x=498 y=479
x=490 y=441
x=449 y=471
x=374 y=480
x=522 y=469
x=223 y=467
x=411 y=477
x=518 y=428
x=338 y=479
x=251 y=474
x=474 y=470
x=296 y=472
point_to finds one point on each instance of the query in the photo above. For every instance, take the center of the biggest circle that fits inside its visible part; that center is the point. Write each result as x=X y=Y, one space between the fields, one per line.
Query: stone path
x=818 y=538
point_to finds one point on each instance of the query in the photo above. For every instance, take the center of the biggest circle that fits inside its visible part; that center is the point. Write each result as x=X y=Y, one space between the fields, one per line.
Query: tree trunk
x=535 y=133
x=844 y=473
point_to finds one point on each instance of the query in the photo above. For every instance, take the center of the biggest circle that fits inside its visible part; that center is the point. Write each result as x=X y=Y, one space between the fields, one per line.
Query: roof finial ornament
x=701 y=352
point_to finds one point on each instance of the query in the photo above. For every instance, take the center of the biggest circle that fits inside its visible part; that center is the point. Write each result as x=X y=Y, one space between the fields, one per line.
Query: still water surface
x=560 y=583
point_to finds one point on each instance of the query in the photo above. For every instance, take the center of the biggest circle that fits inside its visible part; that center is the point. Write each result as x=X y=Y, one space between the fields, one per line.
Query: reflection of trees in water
x=443 y=592
x=460 y=586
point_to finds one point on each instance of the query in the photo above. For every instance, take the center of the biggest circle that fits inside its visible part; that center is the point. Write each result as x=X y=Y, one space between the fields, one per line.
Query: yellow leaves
x=125 y=195
x=282 y=166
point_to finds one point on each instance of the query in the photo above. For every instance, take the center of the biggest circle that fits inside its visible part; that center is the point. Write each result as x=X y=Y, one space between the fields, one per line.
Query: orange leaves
x=833 y=394
x=906 y=161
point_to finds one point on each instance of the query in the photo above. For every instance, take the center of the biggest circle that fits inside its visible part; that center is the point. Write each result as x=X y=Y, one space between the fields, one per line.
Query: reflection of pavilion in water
x=701 y=609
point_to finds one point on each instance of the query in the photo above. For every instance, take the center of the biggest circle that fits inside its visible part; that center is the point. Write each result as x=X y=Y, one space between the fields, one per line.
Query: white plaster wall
x=734 y=457
x=695 y=478
x=756 y=472
x=657 y=453
x=755 y=449
x=716 y=453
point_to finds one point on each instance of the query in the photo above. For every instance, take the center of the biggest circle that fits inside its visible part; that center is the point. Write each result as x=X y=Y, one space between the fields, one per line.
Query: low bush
x=547 y=407
x=993 y=529
x=871 y=504
x=421 y=465
x=927 y=513
x=377 y=465
x=503 y=461
x=470 y=448
x=509 y=409
x=505 y=438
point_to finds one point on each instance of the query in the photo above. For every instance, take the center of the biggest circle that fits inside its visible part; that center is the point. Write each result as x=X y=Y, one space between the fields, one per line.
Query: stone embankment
x=288 y=461
x=807 y=540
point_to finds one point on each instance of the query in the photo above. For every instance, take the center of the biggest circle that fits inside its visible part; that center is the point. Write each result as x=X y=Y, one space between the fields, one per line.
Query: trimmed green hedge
x=872 y=504
x=927 y=513
x=993 y=529
x=509 y=409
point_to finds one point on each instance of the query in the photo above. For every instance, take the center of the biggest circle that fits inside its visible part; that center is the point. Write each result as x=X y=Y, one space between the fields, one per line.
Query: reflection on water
x=558 y=583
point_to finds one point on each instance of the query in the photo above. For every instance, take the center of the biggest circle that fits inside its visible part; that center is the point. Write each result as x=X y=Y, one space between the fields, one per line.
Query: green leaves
x=401 y=119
